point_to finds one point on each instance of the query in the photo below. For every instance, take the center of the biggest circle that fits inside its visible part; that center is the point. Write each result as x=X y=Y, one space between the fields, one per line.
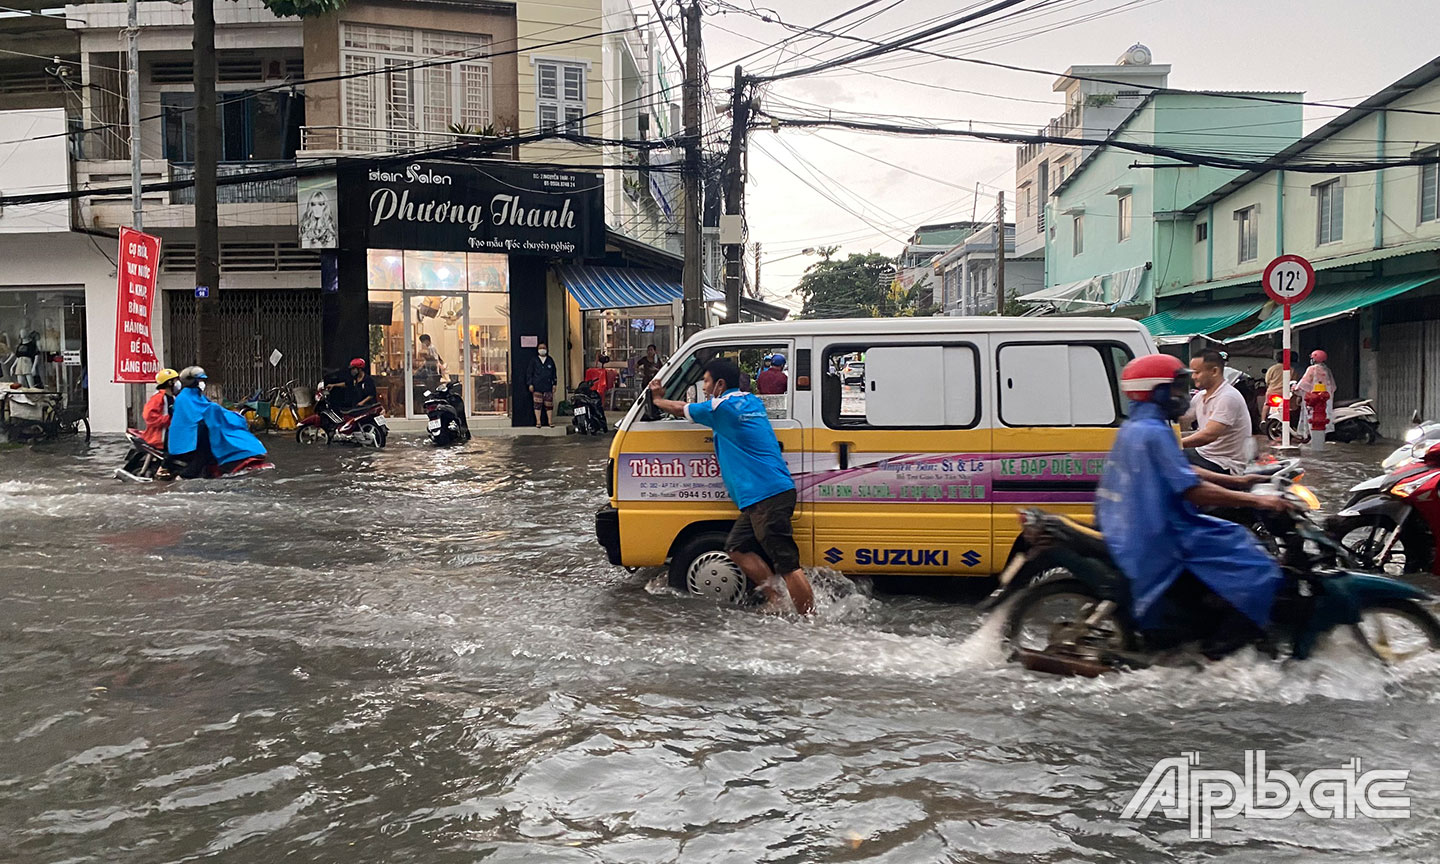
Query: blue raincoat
x=1155 y=535
x=230 y=436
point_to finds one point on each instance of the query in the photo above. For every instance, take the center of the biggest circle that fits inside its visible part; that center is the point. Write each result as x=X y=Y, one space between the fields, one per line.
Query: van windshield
x=683 y=383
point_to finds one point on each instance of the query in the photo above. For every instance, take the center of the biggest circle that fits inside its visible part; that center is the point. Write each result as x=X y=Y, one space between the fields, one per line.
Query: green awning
x=1333 y=301
x=1199 y=319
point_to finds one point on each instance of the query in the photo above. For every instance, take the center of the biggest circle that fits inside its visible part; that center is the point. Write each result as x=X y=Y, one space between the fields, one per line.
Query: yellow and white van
x=913 y=441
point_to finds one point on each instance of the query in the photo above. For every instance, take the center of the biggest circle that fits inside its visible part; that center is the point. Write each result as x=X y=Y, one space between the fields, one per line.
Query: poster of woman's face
x=316 y=197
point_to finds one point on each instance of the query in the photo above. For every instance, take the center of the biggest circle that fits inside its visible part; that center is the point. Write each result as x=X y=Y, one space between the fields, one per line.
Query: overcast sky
x=1334 y=50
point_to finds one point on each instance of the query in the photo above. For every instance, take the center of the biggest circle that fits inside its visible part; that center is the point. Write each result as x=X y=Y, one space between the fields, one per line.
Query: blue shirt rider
x=1147 y=508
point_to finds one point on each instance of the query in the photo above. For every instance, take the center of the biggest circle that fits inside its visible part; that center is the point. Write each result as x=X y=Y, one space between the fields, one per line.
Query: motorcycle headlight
x=1410 y=487
x=1305 y=495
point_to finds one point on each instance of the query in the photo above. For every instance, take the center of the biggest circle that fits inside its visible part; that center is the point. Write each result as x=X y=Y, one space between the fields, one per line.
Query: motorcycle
x=1069 y=610
x=446 y=409
x=361 y=426
x=1355 y=420
x=143 y=462
x=589 y=413
x=1391 y=523
x=1418 y=439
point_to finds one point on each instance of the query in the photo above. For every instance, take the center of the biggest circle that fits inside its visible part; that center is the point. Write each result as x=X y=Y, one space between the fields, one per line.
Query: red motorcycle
x=362 y=426
x=1392 y=522
x=143 y=463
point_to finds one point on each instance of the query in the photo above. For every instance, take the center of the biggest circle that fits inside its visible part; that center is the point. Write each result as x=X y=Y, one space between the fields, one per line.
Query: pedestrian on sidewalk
x=756 y=478
x=542 y=380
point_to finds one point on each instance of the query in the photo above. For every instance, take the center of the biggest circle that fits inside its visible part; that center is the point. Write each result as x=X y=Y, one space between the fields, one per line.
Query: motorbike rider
x=1221 y=441
x=1181 y=566
x=203 y=433
x=159 y=406
x=1316 y=375
x=360 y=389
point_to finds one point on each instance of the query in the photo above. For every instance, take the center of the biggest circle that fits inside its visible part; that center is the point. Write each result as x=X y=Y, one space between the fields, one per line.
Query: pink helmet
x=1318 y=356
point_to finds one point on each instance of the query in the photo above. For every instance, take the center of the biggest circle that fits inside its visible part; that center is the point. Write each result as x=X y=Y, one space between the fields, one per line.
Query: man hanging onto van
x=1181 y=565
x=756 y=478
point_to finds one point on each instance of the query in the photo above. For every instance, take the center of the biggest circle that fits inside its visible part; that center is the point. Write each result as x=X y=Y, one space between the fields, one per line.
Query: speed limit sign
x=1288 y=279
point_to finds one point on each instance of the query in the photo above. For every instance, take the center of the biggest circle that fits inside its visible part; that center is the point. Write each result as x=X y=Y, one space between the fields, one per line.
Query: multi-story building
x=914 y=266
x=1116 y=233
x=967 y=274
x=1373 y=238
x=1098 y=98
x=335 y=113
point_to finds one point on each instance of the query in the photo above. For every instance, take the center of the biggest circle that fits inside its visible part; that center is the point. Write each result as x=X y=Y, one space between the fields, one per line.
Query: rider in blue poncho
x=1179 y=562
x=203 y=433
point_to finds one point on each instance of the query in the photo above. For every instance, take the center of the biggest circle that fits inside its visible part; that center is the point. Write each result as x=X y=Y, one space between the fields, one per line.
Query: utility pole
x=692 y=278
x=207 y=219
x=132 y=90
x=734 y=195
x=1000 y=253
x=757 y=271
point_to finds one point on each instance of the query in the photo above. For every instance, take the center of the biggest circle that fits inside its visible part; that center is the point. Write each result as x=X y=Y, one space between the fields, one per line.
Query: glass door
x=436 y=325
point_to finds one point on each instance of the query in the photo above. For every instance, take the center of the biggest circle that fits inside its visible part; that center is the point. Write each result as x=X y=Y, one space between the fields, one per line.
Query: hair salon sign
x=486 y=208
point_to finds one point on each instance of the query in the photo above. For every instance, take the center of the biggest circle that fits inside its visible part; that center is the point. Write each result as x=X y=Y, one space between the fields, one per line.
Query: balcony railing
x=359 y=139
x=1060 y=127
x=278 y=190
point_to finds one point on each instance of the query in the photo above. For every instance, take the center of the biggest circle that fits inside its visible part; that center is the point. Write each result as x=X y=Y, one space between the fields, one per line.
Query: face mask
x=543 y=352
x=175 y=386
x=355 y=373
x=201 y=385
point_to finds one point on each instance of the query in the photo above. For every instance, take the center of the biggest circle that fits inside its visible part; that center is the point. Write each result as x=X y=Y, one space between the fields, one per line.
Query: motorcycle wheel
x=1364 y=537
x=1055 y=610
x=1372 y=433
x=1397 y=631
x=1274 y=430
x=311 y=434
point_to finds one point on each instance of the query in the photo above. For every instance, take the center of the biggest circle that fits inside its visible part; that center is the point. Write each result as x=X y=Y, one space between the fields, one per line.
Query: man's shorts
x=546 y=399
x=764 y=527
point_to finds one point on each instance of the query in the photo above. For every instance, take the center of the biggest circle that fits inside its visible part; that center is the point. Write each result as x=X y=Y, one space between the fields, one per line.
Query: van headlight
x=609 y=478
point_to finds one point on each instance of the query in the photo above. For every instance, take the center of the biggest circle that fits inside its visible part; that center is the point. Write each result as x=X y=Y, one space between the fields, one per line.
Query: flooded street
x=422 y=655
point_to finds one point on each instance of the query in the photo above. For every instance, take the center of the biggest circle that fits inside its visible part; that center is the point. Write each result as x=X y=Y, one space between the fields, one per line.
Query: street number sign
x=1288 y=279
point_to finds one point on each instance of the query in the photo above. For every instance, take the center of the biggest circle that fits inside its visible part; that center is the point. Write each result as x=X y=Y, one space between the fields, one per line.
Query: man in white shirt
x=1221 y=440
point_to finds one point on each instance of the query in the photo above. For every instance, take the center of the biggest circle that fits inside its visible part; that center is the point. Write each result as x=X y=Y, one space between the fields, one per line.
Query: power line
x=1187 y=157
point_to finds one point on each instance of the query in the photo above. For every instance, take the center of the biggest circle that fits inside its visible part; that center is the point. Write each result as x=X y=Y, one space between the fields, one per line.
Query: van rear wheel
x=702 y=568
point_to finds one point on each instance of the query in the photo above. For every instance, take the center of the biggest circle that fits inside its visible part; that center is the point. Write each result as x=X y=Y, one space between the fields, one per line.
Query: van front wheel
x=702 y=568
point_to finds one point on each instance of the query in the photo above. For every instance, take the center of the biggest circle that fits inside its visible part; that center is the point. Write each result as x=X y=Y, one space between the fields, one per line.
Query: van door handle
x=842 y=449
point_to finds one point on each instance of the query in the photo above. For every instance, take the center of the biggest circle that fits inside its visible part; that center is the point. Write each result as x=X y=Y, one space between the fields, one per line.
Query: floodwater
x=422 y=655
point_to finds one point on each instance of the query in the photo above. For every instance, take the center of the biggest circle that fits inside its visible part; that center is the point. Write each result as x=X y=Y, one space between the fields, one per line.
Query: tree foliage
x=858 y=286
x=303 y=8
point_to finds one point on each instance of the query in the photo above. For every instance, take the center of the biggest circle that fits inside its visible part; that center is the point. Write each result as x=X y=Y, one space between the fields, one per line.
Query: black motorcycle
x=446 y=409
x=589 y=413
x=1068 y=609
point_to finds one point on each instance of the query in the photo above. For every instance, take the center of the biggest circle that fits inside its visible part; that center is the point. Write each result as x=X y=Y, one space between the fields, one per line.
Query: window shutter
x=475 y=95
x=359 y=103
x=547 y=87
x=574 y=84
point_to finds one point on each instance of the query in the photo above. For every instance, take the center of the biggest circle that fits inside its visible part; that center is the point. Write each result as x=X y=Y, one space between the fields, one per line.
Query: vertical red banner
x=139 y=265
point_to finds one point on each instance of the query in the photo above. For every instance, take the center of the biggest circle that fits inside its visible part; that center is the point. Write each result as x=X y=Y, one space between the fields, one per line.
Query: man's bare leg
x=798 y=587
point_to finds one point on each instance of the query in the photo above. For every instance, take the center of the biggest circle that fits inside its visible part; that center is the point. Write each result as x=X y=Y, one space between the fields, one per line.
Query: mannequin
x=27 y=360
x=50 y=340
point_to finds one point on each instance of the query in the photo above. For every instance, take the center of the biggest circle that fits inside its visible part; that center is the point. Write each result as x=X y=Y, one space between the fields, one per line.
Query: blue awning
x=623 y=288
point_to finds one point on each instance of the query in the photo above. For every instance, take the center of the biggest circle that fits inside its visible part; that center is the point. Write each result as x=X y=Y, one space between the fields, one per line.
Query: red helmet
x=1318 y=356
x=357 y=363
x=1143 y=374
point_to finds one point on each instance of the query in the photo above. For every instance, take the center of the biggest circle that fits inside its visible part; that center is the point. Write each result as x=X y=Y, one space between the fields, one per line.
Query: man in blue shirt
x=756 y=477
x=1146 y=507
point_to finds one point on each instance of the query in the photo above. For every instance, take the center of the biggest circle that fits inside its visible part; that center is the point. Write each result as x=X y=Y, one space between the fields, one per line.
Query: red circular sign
x=1288 y=279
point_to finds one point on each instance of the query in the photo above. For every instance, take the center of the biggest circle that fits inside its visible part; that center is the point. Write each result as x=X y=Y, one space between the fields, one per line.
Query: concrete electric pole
x=207 y=219
x=734 y=195
x=692 y=277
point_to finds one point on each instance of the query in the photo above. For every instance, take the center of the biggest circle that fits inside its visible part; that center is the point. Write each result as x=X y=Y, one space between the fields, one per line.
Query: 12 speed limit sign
x=1288 y=279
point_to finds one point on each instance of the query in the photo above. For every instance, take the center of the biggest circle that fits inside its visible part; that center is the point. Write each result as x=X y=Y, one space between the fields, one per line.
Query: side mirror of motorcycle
x=1415 y=417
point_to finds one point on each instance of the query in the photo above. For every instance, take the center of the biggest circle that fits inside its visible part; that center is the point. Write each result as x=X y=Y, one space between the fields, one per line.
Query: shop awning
x=1181 y=323
x=623 y=287
x=1058 y=293
x=1334 y=301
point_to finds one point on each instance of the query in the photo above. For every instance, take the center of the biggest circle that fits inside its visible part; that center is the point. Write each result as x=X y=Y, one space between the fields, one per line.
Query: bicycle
x=281 y=398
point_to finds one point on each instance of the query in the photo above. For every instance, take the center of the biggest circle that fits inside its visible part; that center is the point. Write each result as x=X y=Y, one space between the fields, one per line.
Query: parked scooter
x=1069 y=609
x=1391 y=523
x=361 y=426
x=589 y=413
x=1355 y=420
x=143 y=463
x=1417 y=441
x=446 y=409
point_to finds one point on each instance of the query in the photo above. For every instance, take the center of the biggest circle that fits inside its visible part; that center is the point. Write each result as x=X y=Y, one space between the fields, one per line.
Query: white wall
x=31 y=166
x=41 y=262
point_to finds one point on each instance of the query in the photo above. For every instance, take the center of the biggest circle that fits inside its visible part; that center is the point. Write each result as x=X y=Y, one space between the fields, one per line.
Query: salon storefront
x=448 y=271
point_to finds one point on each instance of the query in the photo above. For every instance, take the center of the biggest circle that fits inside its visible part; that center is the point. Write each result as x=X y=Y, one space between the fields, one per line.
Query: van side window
x=1056 y=384
x=774 y=389
x=900 y=386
